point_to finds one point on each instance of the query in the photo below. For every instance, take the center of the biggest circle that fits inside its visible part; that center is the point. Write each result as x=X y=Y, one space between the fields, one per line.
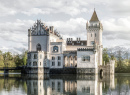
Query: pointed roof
x=94 y=16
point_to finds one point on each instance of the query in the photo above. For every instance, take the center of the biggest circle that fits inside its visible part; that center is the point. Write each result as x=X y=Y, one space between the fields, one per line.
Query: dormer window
x=55 y=49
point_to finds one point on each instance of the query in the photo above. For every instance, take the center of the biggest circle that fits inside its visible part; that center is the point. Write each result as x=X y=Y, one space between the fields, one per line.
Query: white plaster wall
x=86 y=64
x=42 y=40
x=72 y=48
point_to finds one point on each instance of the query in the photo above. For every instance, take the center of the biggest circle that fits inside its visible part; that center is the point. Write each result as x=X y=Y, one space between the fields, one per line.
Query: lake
x=33 y=84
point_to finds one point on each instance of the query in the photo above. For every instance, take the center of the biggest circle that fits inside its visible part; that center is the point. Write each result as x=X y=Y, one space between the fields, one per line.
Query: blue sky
x=69 y=17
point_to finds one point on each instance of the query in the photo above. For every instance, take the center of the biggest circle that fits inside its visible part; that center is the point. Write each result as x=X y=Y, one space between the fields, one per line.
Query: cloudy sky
x=69 y=17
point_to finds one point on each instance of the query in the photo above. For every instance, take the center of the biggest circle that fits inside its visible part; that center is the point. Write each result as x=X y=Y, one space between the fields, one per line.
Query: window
x=53 y=58
x=40 y=63
x=29 y=56
x=59 y=63
x=86 y=58
x=91 y=34
x=55 y=48
x=59 y=58
x=92 y=42
x=53 y=63
x=30 y=64
x=86 y=89
x=95 y=34
x=59 y=86
x=34 y=63
x=35 y=56
x=53 y=86
x=38 y=47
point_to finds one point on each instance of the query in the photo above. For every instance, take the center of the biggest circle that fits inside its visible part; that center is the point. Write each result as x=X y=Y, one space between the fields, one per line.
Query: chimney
x=29 y=32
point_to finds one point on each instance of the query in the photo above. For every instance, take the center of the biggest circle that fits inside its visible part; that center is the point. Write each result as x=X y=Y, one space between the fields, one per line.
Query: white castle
x=48 y=52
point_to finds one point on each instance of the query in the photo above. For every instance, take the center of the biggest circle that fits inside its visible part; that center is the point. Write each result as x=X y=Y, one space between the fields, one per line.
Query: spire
x=94 y=16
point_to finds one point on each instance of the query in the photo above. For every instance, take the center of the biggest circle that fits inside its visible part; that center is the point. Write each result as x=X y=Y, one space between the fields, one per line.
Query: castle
x=48 y=52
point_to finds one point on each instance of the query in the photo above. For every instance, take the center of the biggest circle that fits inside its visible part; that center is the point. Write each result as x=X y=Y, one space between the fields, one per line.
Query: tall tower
x=94 y=34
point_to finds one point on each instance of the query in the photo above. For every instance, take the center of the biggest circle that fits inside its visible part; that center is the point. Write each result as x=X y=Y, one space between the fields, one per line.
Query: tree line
x=121 y=57
x=7 y=59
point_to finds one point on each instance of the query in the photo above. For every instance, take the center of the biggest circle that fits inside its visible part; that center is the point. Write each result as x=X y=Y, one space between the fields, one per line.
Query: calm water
x=17 y=84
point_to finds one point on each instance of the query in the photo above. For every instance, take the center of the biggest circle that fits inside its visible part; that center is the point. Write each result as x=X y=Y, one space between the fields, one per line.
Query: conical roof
x=94 y=17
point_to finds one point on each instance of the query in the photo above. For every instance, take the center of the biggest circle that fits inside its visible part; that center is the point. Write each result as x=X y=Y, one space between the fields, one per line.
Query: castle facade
x=48 y=52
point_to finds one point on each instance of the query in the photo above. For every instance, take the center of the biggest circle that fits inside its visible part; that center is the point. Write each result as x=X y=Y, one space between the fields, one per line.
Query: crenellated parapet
x=85 y=49
x=70 y=41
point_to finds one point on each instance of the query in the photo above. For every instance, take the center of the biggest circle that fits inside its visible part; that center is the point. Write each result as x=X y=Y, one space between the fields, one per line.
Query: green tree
x=105 y=55
x=1 y=59
x=24 y=57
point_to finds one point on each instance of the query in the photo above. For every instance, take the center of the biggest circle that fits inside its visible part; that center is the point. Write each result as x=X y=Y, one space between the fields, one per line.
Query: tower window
x=55 y=48
x=38 y=47
x=95 y=34
x=92 y=42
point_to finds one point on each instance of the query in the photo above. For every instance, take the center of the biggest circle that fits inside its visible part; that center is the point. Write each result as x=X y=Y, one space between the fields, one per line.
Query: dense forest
x=7 y=59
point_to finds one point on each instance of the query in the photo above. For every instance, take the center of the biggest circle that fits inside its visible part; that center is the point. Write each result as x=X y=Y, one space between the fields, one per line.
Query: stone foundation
x=35 y=70
x=85 y=70
x=63 y=71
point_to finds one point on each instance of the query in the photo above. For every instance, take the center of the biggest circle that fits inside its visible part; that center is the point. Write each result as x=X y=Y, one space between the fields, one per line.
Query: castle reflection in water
x=68 y=84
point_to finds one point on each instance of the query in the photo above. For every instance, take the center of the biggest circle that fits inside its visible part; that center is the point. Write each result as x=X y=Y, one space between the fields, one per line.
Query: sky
x=69 y=17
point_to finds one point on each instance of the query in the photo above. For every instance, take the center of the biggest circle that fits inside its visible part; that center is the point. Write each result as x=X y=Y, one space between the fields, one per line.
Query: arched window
x=34 y=63
x=38 y=47
x=55 y=48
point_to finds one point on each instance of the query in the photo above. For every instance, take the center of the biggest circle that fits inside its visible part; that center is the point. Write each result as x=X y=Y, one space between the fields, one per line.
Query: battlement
x=85 y=49
x=70 y=41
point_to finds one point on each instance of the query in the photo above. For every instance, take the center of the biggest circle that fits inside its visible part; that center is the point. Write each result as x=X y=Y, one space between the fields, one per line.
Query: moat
x=40 y=84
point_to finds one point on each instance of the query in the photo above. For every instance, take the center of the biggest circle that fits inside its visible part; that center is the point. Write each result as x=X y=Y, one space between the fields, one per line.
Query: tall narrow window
x=35 y=56
x=38 y=47
x=59 y=63
x=53 y=58
x=53 y=63
x=95 y=34
x=59 y=58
